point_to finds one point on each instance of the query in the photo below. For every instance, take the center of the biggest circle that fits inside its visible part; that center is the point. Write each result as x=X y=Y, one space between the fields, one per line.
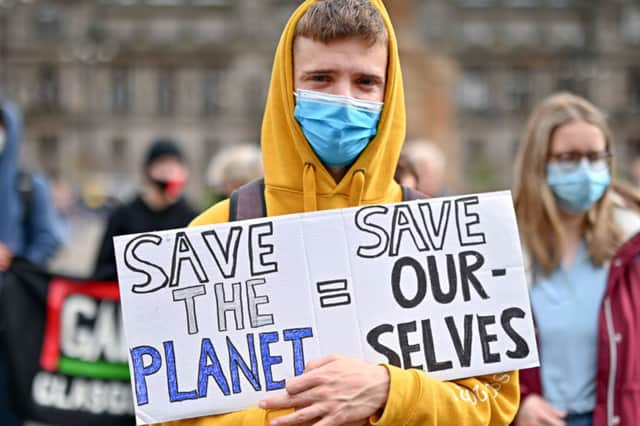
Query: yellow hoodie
x=297 y=181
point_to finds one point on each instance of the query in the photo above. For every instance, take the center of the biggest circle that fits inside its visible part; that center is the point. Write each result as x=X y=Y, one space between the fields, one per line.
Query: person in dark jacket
x=160 y=206
x=28 y=226
x=577 y=226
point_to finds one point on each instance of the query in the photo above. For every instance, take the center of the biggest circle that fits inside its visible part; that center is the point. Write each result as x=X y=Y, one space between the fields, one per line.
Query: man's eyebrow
x=318 y=71
x=372 y=76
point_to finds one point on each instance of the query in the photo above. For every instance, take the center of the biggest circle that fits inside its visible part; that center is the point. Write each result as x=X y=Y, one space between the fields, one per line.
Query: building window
x=519 y=33
x=211 y=91
x=518 y=90
x=566 y=35
x=478 y=34
x=120 y=94
x=472 y=92
x=560 y=3
x=633 y=87
x=48 y=151
x=573 y=83
x=477 y=3
x=48 y=22
x=166 y=92
x=48 y=88
x=631 y=24
x=118 y=151
x=522 y=3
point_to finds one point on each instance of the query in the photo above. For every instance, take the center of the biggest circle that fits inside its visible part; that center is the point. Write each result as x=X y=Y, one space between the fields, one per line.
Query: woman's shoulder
x=626 y=211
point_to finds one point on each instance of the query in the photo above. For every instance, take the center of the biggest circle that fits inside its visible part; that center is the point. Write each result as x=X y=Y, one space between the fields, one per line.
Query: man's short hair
x=328 y=20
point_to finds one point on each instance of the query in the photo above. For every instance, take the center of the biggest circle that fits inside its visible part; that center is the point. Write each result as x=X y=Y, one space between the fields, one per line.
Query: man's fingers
x=303 y=415
x=316 y=363
x=288 y=401
x=304 y=382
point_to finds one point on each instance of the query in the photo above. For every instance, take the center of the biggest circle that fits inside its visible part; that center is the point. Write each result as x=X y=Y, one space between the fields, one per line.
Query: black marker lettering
x=226 y=257
x=466 y=274
x=403 y=222
x=486 y=338
x=136 y=264
x=465 y=220
x=257 y=319
x=373 y=338
x=382 y=238
x=258 y=250
x=522 y=349
x=183 y=252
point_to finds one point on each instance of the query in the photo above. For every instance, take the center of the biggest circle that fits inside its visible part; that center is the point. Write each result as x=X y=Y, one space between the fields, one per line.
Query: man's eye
x=366 y=81
x=320 y=77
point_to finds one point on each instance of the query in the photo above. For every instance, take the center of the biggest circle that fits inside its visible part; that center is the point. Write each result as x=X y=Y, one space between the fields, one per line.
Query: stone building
x=512 y=53
x=98 y=79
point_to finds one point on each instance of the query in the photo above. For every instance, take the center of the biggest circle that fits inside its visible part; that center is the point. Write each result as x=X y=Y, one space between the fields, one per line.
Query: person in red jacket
x=577 y=225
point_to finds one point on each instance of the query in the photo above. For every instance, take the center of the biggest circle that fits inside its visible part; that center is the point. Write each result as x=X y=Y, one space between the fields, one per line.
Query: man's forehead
x=309 y=53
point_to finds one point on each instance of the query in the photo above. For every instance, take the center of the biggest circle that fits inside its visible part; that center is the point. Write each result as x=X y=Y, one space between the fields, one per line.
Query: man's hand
x=5 y=257
x=535 y=411
x=333 y=391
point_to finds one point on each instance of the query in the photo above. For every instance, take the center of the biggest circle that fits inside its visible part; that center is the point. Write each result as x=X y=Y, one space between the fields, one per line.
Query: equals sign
x=333 y=293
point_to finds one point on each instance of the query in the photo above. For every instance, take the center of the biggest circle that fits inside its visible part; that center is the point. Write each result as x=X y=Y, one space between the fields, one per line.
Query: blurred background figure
x=635 y=172
x=405 y=172
x=28 y=225
x=574 y=219
x=429 y=165
x=232 y=167
x=64 y=201
x=159 y=206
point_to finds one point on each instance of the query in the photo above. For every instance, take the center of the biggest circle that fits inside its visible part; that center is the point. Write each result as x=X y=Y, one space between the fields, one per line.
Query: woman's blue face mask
x=580 y=186
x=338 y=128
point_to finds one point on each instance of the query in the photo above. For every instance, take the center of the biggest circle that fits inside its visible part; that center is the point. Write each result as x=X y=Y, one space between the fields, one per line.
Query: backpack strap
x=25 y=190
x=247 y=202
x=409 y=194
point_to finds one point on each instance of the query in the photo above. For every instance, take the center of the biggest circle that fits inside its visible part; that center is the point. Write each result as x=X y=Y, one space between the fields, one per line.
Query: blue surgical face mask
x=577 y=188
x=338 y=128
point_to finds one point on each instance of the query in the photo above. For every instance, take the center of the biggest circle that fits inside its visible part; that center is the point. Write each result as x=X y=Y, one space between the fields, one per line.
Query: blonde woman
x=576 y=222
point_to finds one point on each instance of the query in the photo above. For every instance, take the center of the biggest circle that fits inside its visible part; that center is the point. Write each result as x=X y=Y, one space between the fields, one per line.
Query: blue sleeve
x=45 y=231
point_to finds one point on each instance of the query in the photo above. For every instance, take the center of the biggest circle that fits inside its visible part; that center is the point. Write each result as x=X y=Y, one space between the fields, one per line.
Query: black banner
x=66 y=350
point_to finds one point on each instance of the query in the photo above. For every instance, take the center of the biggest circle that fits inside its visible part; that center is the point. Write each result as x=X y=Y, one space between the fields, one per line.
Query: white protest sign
x=217 y=317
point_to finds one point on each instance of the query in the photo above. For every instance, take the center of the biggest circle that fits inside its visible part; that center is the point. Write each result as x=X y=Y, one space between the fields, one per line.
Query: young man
x=333 y=144
x=160 y=205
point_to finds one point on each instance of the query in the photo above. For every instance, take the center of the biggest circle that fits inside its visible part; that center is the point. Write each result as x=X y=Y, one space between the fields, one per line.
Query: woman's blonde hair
x=536 y=209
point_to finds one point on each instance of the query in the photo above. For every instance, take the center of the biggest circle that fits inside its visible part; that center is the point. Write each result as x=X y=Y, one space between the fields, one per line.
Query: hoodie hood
x=295 y=178
x=9 y=157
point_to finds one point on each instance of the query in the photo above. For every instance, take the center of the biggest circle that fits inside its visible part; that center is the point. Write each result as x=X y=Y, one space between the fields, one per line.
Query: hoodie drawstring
x=310 y=201
x=309 y=188
x=357 y=188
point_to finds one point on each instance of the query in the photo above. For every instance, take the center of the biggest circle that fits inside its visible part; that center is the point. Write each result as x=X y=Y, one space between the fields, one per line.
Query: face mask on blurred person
x=170 y=187
x=578 y=187
x=338 y=128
